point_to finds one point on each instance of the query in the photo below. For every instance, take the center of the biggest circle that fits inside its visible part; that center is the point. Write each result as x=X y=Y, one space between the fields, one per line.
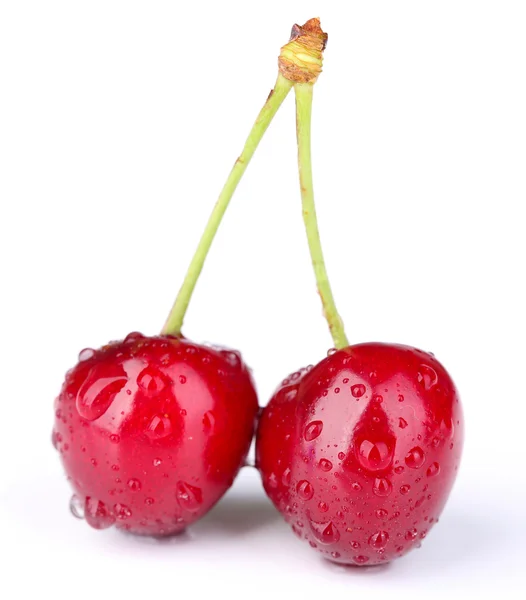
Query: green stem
x=303 y=128
x=175 y=318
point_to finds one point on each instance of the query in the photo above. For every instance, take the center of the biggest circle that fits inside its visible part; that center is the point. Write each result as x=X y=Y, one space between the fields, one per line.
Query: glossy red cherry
x=360 y=452
x=152 y=431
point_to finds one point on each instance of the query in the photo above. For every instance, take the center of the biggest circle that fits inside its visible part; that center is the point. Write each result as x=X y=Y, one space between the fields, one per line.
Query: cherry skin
x=359 y=453
x=152 y=431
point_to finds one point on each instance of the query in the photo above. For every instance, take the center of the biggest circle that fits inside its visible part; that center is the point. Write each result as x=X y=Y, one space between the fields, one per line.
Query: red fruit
x=152 y=431
x=360 y=453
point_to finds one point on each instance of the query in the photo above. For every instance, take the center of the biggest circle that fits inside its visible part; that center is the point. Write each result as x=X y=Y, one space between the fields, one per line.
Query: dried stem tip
x=300 y=60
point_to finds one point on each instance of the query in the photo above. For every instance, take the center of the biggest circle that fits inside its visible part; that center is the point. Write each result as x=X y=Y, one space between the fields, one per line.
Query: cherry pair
x=358 y=453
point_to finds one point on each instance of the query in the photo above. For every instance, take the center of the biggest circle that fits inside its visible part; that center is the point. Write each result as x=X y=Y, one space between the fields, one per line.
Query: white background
x=119 y=122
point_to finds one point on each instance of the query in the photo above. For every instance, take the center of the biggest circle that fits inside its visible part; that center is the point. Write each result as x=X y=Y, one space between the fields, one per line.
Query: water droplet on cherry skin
x=76 y=506
x=286 y=477
x=358 y=390
x=209 y=422
x=188 y=496
x=313 y=430
x=133 y=337
x=427 y=377
x=134 y=484
x=159 y=427
x=325 y=533
x=86 y=354
x=382 y=487
x=415 y=458
x=121 y=511
x=272 y=481
x=305 y=490
x=151 y=381
x=433 y=470
x=374 y=456
x=232 y=357
x=379 y=539
x=97 y=514
x=325 y=464
x=99 y=390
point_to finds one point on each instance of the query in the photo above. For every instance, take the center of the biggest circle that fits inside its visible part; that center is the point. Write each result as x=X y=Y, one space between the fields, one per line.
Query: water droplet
x=97 y=514
x=86 y=354
x=381 y=513
x=404 y=489
x=151 y=380
x=285 y=478
x=379 y=539
x=399 y=470
x=433 y=469
x=305 y=490
x=149 y=501
x=182 y=379
x=76 y=507
x=337 y=390
x=335 y=554
x=410 y=534
x=272 y=481
x=400 y=398
x=374 y=456
x=427 y=377
x=232 y=357
x=325 y=533
x=133 y=336
x=358 y=390
x=134 y=484
x=415 y=458
x=323 y=506
x=188 y=496
x=325 y=464
x=122 y=512
x=115 y=467
x=291 y=393
x=423 y=534
x=98 y=391
x=341 y=455
x=378 y=398
x=94 y=462
x=331 y=352
x=160 y=426
x=345 y=380
x=355 y=545
x=157 y=462
x=361 y=560
x=382 y=487
x=356 y=486
x=209 y=422
x=114 y=438
x=313 y=430
x=312 y=544
x=402 y=423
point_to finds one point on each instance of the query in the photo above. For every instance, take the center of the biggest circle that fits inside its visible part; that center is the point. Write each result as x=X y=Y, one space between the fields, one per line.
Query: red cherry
x=370 y=440
x=152 y=431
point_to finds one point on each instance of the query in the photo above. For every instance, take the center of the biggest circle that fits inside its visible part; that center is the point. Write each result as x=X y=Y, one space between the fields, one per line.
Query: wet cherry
x=153 y=431
x=364 y=447
x=363 y=480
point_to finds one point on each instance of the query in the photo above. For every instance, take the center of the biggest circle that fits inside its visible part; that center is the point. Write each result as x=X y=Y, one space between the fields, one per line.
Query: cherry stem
x=303 y=93
x=277 y=95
